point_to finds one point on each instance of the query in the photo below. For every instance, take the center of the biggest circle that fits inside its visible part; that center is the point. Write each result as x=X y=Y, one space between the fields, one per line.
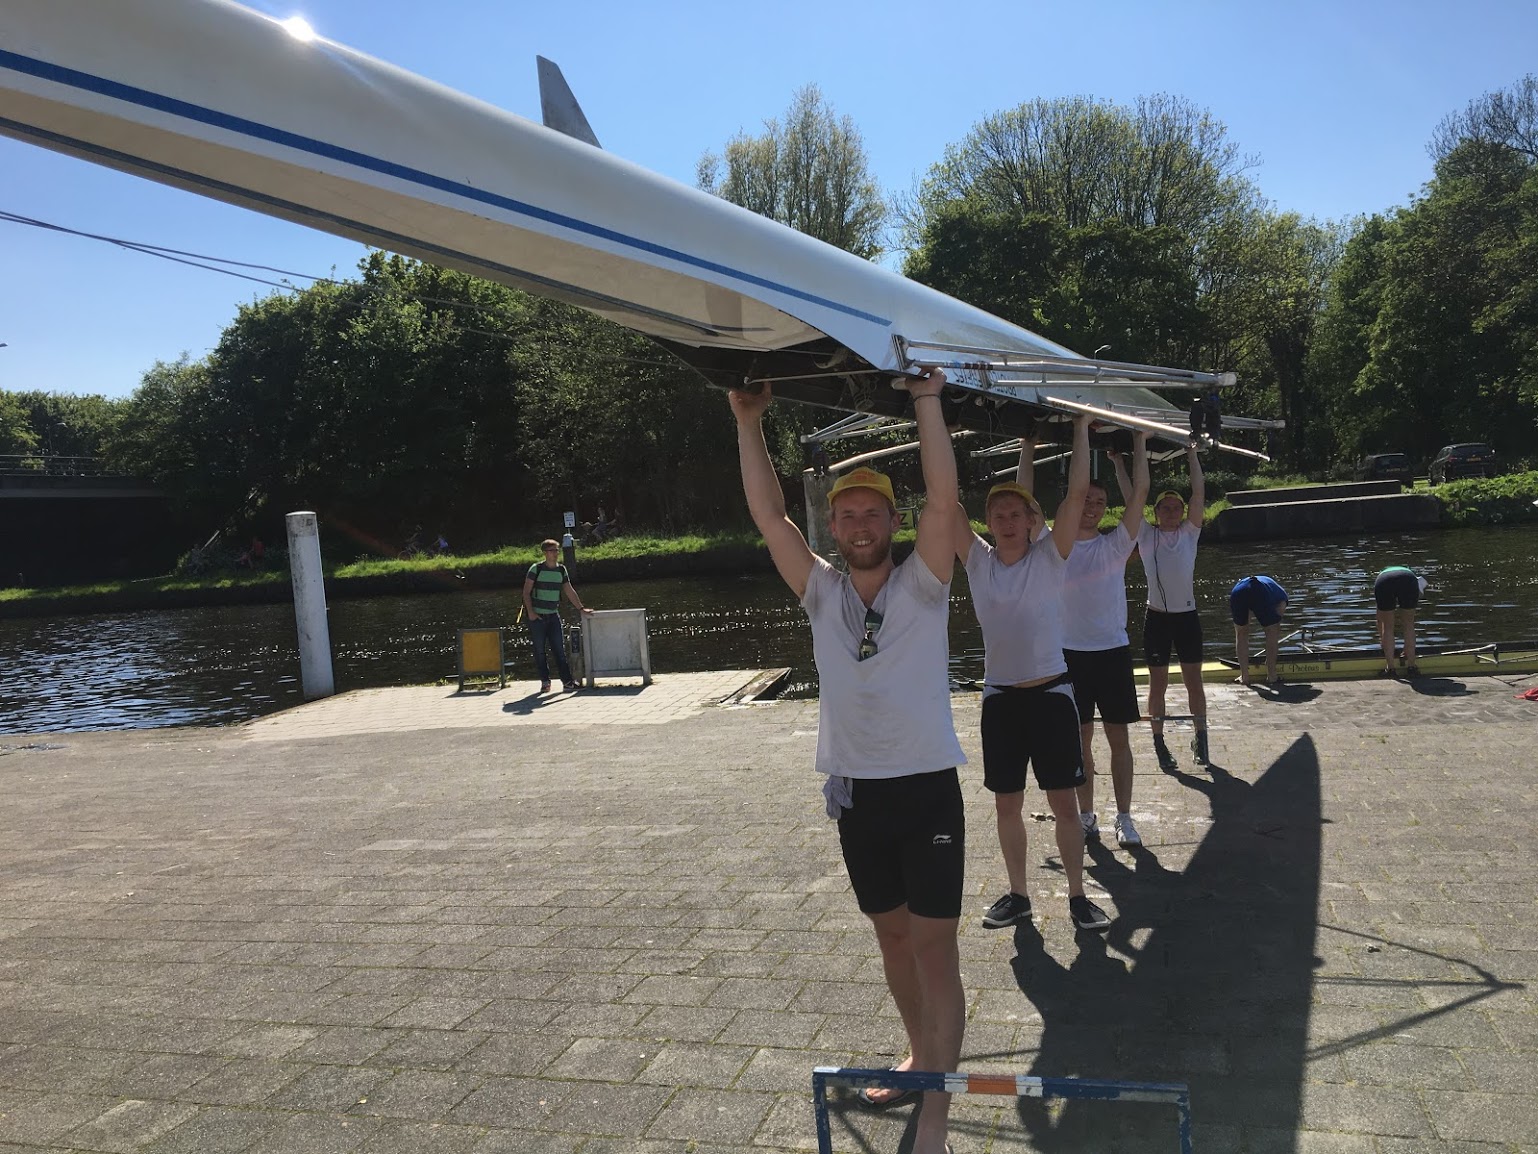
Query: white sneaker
x=1091 y=824
x=1126 y=832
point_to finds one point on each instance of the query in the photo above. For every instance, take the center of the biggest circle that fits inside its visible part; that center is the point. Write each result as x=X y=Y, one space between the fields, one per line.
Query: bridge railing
x=50 y=465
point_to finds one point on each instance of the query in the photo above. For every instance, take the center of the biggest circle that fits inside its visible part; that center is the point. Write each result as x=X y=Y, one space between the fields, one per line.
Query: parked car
x=1469 y=459
x=1385 y=467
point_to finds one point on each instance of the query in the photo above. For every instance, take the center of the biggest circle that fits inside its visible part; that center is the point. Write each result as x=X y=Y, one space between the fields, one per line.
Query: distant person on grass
x=1398 y=590
x=885 y=738
x=542 y=589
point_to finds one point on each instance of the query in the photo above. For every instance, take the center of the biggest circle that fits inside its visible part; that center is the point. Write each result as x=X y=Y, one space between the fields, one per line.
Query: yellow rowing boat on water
x=1313 y=663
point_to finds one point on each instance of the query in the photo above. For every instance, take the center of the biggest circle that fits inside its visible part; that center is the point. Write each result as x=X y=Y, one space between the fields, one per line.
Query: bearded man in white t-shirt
x=885 y=736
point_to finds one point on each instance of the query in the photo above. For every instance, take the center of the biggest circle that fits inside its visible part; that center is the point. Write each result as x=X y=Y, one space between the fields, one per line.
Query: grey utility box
x=614 y=645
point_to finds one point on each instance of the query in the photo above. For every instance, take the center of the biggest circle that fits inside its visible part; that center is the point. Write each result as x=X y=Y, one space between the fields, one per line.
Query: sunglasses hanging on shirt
x=868 y=642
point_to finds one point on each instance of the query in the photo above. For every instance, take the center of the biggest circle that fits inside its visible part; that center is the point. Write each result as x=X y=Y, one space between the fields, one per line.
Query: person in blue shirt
x=1265 y=600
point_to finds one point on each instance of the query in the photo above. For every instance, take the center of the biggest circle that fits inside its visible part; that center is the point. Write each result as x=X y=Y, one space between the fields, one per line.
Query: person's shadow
x=1216 y=996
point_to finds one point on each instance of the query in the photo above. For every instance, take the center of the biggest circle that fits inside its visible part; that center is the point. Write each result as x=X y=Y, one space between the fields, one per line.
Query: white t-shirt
x=1095 y=592
x=889 y=715
x=1169 y=563
x=1020 y=608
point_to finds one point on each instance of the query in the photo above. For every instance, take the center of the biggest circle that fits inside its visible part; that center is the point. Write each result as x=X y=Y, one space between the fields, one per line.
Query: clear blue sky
x=1336 y=101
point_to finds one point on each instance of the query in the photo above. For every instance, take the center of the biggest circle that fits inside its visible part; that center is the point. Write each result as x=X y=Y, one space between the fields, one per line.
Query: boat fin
x=558 y=107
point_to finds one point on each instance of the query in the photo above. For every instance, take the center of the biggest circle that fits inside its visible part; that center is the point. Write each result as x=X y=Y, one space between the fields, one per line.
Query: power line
x=218 y=263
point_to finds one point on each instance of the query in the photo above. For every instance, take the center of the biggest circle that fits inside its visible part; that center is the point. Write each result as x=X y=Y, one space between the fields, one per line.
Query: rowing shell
x=1513 y=659
x=223 y=101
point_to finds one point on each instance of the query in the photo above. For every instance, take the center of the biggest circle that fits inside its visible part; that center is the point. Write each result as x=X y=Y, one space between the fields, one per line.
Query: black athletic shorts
x=904 y=841
x=1177 y=632
x=1034 y=726
x=1103 y=677
x=1401 y=590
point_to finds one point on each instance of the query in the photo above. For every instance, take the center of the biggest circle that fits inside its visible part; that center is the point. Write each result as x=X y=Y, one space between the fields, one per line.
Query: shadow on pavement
x=1439 y=687
x=1290 y=692
x=1217 y=995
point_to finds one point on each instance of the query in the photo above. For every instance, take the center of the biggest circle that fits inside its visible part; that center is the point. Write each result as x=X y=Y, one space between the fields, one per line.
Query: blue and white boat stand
x=1011 y=1085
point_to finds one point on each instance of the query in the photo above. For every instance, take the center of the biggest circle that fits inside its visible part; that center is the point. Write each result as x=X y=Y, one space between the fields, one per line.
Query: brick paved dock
x=616 y=923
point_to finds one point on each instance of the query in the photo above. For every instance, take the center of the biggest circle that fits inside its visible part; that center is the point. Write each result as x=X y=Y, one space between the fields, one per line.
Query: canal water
x=218 y=665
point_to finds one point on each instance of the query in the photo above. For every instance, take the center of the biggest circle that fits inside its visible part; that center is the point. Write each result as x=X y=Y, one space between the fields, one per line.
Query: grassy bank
x=1504 y=500
x=1495 y=501
x=504 y=568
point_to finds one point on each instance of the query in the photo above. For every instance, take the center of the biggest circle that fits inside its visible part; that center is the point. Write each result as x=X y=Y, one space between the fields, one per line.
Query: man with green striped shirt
x=542 y=589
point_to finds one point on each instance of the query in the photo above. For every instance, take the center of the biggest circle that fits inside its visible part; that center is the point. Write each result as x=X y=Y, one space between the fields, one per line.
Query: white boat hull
x=220 y=100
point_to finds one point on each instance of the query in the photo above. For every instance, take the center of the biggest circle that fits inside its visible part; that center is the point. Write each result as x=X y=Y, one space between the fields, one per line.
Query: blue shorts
x=1259 y=598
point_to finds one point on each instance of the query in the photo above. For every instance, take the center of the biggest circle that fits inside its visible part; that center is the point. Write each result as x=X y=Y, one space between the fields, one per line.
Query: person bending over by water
x=1030 y=720
x=885 y=737
x=1095 y=644
x=542 y=589
x=1398 y=589
x=1167 y=550
x=1263 y=599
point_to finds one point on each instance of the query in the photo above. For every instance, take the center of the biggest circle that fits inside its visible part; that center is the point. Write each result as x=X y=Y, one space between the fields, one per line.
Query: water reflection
x=219 y=665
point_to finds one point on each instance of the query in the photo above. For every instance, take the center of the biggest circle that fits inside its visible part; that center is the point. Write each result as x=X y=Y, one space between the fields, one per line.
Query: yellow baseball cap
x=1011 y=487
x=1169 y=493
x=864 y=479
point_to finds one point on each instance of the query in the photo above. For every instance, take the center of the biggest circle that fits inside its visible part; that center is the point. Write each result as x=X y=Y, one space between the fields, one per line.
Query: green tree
x=16 y=435
x=1507 y=117
x=1161 y=163
x=1452 y=341
x=158 y=433
x=1355 y=420
x=808 y=170
x=1135 y=227
x=68 y=425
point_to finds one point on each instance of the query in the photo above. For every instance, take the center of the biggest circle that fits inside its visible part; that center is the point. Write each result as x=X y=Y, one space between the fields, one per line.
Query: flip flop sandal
x=897 y=1099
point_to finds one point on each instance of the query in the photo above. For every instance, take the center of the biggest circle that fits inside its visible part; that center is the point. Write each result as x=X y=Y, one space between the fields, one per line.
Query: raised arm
x=766 y=500
x=1065 y=522
x=1198 y=486
x=937 y=534
x=1025 y=471
x=961 y=534
x=1135 y=491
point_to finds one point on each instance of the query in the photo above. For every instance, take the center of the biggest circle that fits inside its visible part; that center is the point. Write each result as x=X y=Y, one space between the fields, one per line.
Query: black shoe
x=1199 y=747
x=1087 y=915
x=1009 y=910
x=1167 y=760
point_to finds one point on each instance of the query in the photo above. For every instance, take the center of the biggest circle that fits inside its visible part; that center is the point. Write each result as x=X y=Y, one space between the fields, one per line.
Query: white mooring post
x=816 y=489
x=310 y=606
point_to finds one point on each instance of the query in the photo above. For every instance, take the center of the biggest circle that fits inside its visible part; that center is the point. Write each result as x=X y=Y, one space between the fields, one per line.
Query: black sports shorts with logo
x=905 y=841
x=1039 y=727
